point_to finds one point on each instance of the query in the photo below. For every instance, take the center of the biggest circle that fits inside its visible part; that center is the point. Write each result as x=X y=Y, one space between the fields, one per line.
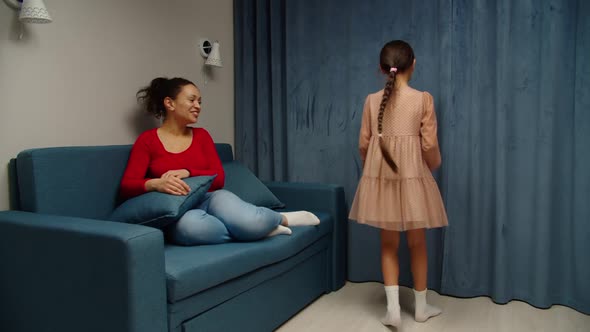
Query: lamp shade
x=214 y=58
x=34 y=11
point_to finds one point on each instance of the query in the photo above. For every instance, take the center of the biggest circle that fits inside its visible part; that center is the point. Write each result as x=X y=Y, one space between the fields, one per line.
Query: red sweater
x=149 y=160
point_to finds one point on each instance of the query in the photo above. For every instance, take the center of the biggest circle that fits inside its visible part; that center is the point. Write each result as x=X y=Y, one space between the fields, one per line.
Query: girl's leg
x=244 y=221
x=197 y=227
x=389 y=260
x=418 y=257
x=419 y=260
x=390 y=269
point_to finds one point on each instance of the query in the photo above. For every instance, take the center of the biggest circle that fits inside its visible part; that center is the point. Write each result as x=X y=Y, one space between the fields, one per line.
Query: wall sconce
x=210 y=51
x=31 y=11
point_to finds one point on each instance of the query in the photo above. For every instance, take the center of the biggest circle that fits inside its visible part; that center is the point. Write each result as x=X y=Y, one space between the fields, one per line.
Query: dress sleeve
x=428 y=129
x=365 y=133
x=134 y=177
x=215 y=166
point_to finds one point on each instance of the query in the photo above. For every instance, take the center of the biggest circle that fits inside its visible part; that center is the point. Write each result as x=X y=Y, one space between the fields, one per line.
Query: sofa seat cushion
x=190 y=270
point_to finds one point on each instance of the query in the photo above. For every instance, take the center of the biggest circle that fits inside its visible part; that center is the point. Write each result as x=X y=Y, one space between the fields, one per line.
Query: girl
x=397 y=193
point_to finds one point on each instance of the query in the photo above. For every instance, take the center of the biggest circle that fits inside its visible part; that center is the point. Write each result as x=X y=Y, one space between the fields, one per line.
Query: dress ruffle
x=409 y=199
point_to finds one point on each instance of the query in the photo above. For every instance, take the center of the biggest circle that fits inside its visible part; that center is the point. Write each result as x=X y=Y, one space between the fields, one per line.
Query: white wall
x=73 y=82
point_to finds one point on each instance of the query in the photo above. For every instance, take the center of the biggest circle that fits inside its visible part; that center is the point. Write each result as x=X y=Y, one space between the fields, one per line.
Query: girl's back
x=402 y=117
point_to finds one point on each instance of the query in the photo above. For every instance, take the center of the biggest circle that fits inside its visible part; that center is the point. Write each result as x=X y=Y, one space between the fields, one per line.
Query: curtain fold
x=260 y=64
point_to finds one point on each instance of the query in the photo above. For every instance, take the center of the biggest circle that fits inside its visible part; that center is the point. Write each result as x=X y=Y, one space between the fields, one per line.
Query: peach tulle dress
x=409 y=199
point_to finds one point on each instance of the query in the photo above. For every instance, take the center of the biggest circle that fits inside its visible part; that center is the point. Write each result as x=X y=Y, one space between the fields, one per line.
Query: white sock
x=280 y=230
x=423 y=309
x=301 y=218
x=392 y=317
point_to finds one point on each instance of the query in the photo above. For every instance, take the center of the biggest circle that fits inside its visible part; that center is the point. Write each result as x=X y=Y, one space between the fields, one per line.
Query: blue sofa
x=66 y=268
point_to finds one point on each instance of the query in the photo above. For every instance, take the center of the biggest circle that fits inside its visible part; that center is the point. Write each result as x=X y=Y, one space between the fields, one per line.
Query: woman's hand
x=168 y=184
x=179 y=173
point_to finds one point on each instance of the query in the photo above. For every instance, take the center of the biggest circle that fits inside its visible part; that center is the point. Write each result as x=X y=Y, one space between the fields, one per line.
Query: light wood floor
x=357 y=307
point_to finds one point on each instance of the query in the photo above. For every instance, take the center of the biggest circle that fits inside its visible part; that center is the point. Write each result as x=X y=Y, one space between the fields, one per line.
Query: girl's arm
x=365 y=134
x=430 y=148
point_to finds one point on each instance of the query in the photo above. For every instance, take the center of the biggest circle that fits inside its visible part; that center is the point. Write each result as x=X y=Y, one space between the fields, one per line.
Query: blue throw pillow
x=242 y=182
x=158 y=209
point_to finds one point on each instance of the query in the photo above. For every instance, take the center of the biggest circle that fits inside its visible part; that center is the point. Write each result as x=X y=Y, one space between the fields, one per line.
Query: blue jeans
x=222 y=217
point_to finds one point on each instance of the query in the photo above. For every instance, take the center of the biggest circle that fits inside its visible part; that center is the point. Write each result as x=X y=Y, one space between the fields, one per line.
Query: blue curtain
x=516 y=146
x=512 y=95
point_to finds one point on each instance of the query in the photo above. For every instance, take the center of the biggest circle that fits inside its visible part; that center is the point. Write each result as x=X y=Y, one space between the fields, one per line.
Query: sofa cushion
x=224 y=151
x=156 y=209
x=71 y=181
x=190 y=270
x=242 y=182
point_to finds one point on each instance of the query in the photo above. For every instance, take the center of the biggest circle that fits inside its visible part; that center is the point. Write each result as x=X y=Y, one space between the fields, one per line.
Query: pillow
x=242 y=182
x=158 y=209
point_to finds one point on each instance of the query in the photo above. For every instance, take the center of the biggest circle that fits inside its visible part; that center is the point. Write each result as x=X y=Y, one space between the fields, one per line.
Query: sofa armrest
x=326 y=198
x=75 y=274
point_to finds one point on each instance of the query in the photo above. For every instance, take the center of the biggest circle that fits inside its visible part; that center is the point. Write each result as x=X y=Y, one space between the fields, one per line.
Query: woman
x=162 y=157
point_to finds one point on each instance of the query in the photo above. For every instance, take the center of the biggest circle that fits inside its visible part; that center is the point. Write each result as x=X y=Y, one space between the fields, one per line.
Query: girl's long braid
x=387 y=92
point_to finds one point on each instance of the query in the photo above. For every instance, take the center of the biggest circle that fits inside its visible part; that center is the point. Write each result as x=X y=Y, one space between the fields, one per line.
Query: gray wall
x=73 y=82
